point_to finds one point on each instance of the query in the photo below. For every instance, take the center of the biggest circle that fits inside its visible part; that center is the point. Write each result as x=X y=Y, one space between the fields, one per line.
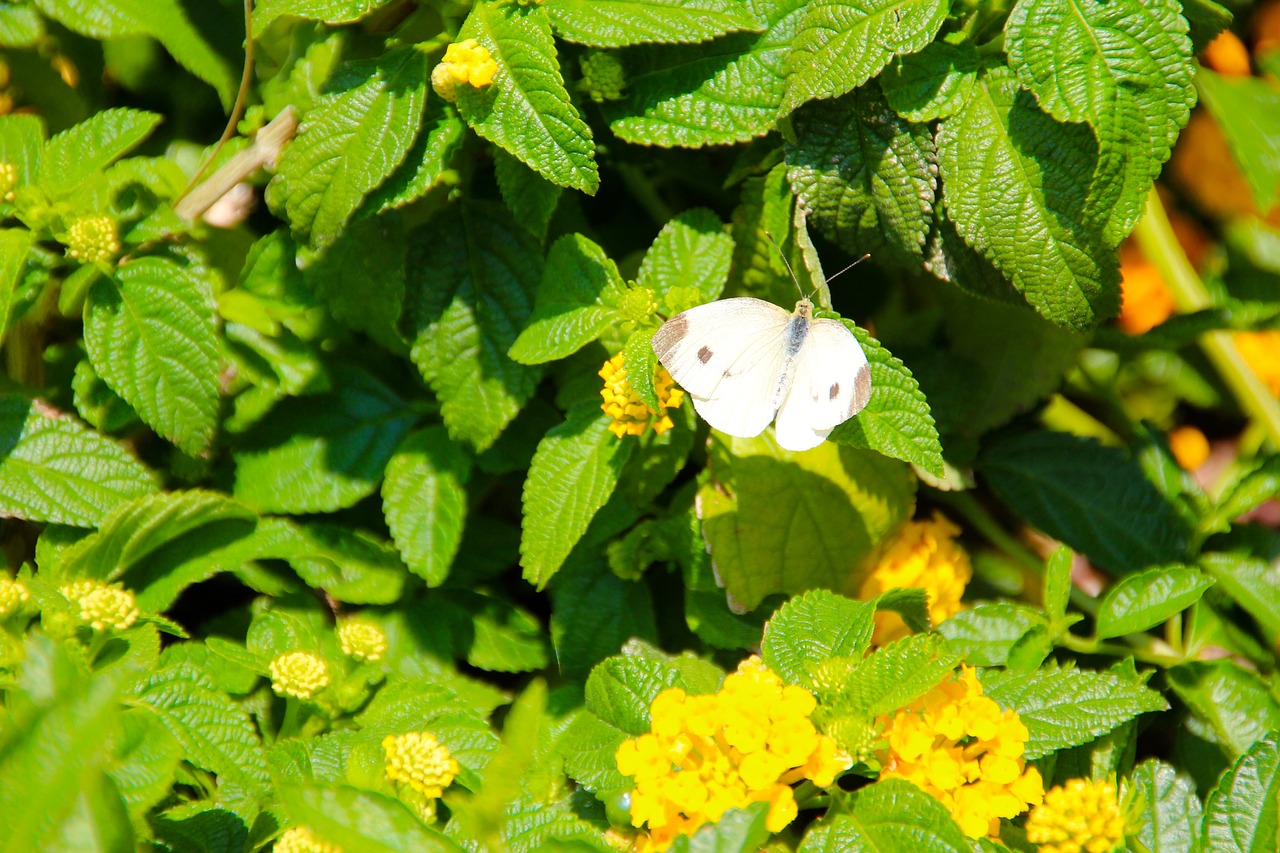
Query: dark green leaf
x=1240 y=814
x=1233 y=702
x=933 y=83
x=616 y=23
x=424 y=500
x=1144 y=600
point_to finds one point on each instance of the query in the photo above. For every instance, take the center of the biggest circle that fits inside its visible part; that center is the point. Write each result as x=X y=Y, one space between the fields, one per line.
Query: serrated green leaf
x=472 y=277
x=215 y=733
x=641 y=364
x=1240 y=813
x=428 y=162
x=897 y=674
x=22 y=144
x=715 y=94
x=1090 y=497
x=424 y=499
x=812 y=627
x=896 y=421
x=1169 y=818
x=1233 y=702
x=73 y=156
x=740 y=830
x=842 y=44
x=933 y=83
x=594 y=613
x=531 y=197
x=866 y=176
x=371 y=252
x=54 y=469
x=1252 y=582
x=152 y=337
x=789 y=522
x=1016 y=178
x=1248 y=111
x=691 y=250
x=890 y=816
x=145 y=762
x=621 y=688
x=319 y=454
x=987 y=633
x=532 y=824
x=355 y=819
x=164 y=20
x=1067 y=707
x=578 y=299
x=589 y=747
x=574 y=470
x=617 y=23
x=201 y=829
x=506 y=638
x=329 y=11
x=20 y=26
x=14 y=245
x=526 y=109
x=349 y=565
x=1144 y=600
x=1124 y=68
x=351 y=140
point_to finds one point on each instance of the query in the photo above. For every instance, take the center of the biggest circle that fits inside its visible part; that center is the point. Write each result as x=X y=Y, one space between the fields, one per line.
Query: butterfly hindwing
x=832 y=383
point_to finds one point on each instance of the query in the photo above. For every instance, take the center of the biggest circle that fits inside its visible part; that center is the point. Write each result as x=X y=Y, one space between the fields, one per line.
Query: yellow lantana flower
x=703 y=755
x=464 y=62
x=1078 y=817
x=8 y=180
x=420 y=761
x=93 y=239
x=957 y=745
x=630 y=415
x=300 y=839
x=1262 y=352
x=13 y=595
x=102 y=606
x=299 y=674
x=923 y=555
x=362 y=640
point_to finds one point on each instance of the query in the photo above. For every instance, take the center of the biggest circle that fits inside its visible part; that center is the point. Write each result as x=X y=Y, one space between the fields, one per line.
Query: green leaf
x=355 y=819
x=1144 y=600
x=349 y=565
x=578 y=299
x=1067 y=707
x=842 y=44
x=739 y=830
x=14 y=245
x=506 y=638
x=715 y=94
x=424 y=499
x=1233 y=702
x=1248 y=111
x=617 y=23
x=145 y=763
x=216 y=734
x=370 y=251
x=1016 y=178
x=1252 y=582
x=472 y=276
x=789 y=522
x=812 y=627
x=526 y=109
x=594 y=613
x=897 y=674
x=1245 y=490
x=934 y=83
x=428 y=162
x=1057 y=586
x=329 y=11
x=323 y=453
x=201 y=829
x=1122 y=67
x=163 y=20
x=987 y=633
x=152 y=337
x=621 y=688
x=866 y=176
x=22 y=144
x=54 y=469
x=890 y=816
x=574 y=471
x=896 y=421
x=589 y=747
x=20 y=26
x=1240 y=813
x=1090 y=497
x=1169 y=816
x=691 y=250
x=73 y=156
x=350 y=141
x=531 y=197
x=641 y=364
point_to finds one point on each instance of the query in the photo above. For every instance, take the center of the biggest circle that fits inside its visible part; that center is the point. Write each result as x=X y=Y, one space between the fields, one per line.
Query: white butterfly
x=745 y=360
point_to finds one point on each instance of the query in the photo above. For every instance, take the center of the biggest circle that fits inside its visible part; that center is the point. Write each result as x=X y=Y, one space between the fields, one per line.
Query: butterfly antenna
x=785 y=262
x=846 y=269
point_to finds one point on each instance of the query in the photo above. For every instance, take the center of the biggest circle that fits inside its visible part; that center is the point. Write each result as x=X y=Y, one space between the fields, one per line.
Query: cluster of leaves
x=379 y=394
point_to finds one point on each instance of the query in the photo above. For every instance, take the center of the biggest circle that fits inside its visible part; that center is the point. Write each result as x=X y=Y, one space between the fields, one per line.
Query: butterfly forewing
x=832 y=383
x=732 y=336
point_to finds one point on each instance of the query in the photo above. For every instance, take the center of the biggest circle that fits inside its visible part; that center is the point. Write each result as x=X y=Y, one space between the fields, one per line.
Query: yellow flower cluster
x=1078 y=817
x=13 y=595
x=300 y=839
x=420 y=761
x=1262 y=351
x=957 y=745
x=923 y=555
x=93 y=239
x=707 y=754
x=361 y=639
x=299 y=674
x=630 y=415
x=464 y=62
x=102 y=606
x=8 y=180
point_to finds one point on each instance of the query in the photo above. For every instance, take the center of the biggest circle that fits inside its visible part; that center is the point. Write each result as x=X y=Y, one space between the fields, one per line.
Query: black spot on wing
x=704 y=354
x=835 y=391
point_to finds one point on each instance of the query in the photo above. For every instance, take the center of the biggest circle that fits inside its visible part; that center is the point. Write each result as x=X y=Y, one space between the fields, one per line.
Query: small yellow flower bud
x=13 y=595
x=102 y=606
x=603 y=76
x=421 y=761
x=464 y=62
x=93 y=239
x=637 y=304
x=8 y=180
x=301 y=839
x=362 y=640
x=299 y=674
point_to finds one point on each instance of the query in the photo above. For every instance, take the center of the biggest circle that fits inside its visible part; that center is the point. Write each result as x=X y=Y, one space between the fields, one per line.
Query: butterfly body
x=745 y=361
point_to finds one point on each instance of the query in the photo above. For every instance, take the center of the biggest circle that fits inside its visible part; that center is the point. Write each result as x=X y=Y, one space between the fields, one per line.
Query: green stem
x=1160 y=245
x=980 y=520
x=292 y=719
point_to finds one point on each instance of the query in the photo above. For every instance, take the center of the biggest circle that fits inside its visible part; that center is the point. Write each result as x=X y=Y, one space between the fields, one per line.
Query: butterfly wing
x=832 y=384
x=728 y=355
